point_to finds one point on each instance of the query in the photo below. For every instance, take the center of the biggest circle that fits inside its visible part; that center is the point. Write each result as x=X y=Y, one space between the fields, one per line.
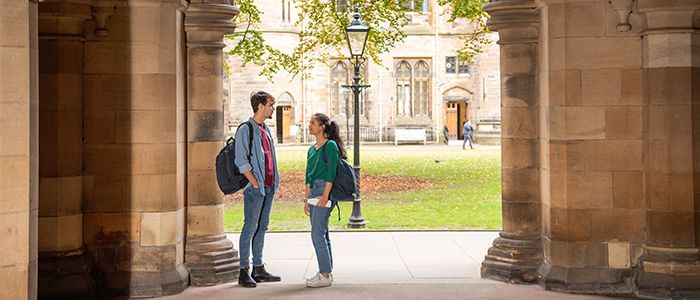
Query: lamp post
x=356 y=35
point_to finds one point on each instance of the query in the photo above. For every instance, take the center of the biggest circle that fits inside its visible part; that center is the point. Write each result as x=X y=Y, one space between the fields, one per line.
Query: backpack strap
x=250 y=140
x=324 y=156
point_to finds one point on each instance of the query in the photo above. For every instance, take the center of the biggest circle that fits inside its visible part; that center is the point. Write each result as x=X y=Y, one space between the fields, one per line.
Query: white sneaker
x=320 y=281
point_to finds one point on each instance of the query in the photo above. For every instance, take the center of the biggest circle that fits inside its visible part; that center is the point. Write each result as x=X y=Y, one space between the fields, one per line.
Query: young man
x=263 y=178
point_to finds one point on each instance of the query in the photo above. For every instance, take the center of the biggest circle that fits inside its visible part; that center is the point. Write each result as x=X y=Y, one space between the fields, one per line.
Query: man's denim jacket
x=257 y=159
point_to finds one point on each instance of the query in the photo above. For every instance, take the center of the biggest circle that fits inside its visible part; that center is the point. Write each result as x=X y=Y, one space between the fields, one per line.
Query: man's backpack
x=345 y=185
x=228 y=176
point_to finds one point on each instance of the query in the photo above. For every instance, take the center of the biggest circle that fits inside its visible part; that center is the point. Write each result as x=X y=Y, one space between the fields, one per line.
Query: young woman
x=319 y=181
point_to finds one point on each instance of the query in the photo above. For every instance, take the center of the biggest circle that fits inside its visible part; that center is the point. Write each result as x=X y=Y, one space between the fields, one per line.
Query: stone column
x=64 y=267
x=517 y=254
x=210 y=257
x=670 y=266
x=19 y=114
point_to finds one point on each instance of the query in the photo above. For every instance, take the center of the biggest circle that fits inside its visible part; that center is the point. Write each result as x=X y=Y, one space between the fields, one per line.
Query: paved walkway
x=381 y=265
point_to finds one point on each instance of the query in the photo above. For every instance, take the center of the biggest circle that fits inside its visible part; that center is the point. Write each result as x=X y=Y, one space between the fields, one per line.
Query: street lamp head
x=356 y=35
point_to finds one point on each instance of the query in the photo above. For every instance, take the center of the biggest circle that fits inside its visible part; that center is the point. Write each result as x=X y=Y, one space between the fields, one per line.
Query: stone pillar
x=64 y=267
x=134 y=214
x=19 y=113
x=210 y=257
x=517 y=254
x=670 y=266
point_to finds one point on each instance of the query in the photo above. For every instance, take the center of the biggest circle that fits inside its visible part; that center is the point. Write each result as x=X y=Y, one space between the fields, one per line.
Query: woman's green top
x=316 y=168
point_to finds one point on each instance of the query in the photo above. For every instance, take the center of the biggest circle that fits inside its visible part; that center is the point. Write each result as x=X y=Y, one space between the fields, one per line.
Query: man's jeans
x=471 y=141
x=256 y=208
x=319 y=230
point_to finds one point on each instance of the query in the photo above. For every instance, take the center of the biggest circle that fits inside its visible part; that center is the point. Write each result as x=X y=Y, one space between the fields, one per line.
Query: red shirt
x=267 y=149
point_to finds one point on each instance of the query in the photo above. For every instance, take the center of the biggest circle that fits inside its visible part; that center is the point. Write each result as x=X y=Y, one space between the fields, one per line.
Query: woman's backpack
x=228 y=176
x=345 y=185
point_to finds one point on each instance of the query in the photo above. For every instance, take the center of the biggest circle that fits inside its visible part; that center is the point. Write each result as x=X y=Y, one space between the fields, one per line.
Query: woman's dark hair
x=332 y=132
x=259 y=98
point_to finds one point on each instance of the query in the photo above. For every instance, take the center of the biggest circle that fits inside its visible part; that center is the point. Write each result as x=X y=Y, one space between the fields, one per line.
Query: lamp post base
x=356 y=220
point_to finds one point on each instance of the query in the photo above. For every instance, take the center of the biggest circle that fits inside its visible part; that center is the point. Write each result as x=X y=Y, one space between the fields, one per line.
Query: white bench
x=409 y=134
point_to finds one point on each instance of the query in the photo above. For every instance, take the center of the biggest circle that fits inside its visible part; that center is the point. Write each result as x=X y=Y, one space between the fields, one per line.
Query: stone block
x=556 y=123
x=521 y=217
x=576 y=155
x=521 y=185
x=669 y=86
x=519 y=153
x=14 y=281
x=109 y=92
x=103 y=193
x=620 y=224
x=114 y=159
x=205 y=93
x=601 y=87
x=558 y=189
x=619 y=255
x=584 y=19
x=60 y=196
x=107 y=228
x=557 y=88
x=155 y=159
x=60 y=91
x=589 y=189
x=558 y=224
x=14 y=126
x=585 y=122
x=60 y=56
x=145 y=192
x=628 y=189
x=160 y=228
x=13 y=21
x=583 y=255
x=99 y=127
x=672 y=229
x=62 y=233
x=145 y=127
x=205 y=220
x=14 y=184
x=573 y=87
x=203 y=188
x=578 y=226
x=557 y=54
x=556 y=19
x=205 y=126
x=15 y=244
x=169 y=192
x=155 y=92
x=631 y=90
x=14 y=86
x=598 y=53
x=202 y=61
x=624 y=122
x=669 y=50
x=202 y=156
x=626 y=154
x=519 y=58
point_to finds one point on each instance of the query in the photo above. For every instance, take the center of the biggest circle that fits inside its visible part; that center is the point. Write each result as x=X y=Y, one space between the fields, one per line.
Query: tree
x=322 y=34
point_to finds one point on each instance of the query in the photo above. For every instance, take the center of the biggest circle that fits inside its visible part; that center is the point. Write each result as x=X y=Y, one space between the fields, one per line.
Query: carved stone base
x=669 y=273
x=513 y=258
x=66 y=276
x=212 y=260
x=590 y=280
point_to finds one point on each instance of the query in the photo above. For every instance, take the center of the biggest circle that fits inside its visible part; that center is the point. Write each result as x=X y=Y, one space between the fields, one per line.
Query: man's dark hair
x=259 y=98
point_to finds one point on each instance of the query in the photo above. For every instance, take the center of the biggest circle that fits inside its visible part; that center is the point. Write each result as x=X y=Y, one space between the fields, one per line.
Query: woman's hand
x=307 y=209
x=322 y=201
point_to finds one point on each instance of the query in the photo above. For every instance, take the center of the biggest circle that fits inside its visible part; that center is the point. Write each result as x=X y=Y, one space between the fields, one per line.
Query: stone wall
x=609 y=88
x=19 y=112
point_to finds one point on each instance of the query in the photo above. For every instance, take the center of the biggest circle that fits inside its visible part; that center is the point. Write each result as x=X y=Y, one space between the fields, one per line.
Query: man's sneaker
x=260 y=275
x=319 y=281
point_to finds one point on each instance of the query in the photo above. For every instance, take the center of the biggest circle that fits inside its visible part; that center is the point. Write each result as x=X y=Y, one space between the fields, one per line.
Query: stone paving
x=381 y=265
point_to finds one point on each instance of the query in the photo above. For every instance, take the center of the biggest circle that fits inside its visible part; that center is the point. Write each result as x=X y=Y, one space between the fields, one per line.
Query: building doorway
x=283 y=124
x=455 y=117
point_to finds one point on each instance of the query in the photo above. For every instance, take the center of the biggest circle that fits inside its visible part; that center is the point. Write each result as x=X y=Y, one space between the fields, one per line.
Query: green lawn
x=466 y=191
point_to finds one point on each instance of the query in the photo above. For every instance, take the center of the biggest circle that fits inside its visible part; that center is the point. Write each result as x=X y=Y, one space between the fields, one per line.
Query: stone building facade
x=111 y=114
x=420 y=84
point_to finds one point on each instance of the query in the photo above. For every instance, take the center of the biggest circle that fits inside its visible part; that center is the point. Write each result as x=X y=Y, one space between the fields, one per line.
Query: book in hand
x=314 y=201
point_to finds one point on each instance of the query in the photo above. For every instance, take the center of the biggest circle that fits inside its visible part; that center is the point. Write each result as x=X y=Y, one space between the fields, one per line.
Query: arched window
x=403 y=89
x=421 y=91
x=339 y=95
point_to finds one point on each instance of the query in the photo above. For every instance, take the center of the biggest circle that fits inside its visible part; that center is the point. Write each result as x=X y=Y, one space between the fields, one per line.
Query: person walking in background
x=263 y=182
x=320 y=175
x=468 y=132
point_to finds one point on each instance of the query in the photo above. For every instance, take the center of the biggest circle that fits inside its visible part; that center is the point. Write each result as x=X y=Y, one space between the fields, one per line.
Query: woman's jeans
x=256 y=209
x=319 y=229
